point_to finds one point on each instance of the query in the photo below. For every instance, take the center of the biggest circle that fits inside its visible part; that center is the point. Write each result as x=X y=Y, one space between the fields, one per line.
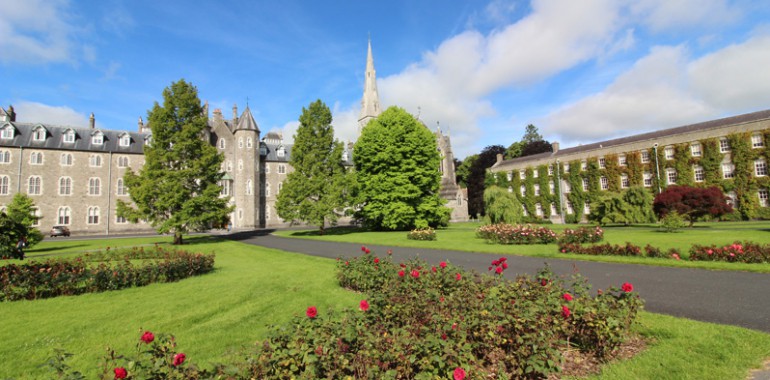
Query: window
x=240 y=142
x=605 y=183
x=760 y=168
x=538 y=209
x=724 y=145
x=645 y=156
x=64 y=216
x=121 y=188
x=550 y=169
x=281 y=169
x=5 y=157
x=728 y=171
x=553 y=209
x=510 y=189
x=764 y=198
x=35 y=185
x=587 y=208
x=280 y=187
x=523 y=190
x=120 y=219
x=622 y=161
x=66 y=159
x=97 y=139
x=669 y=152
x=535 y=173
x=37 y=216
x=552 y=187
x=281 y=151
x=567 y=187
x=229 y=166
x=732 y=199
x=69 y=136
x=522 y=174
x=602 y=163
x=38 y=134
x=93 y=215
x=699 y=174
x=570 y=210
x=647 y=179
x=249 y=187
x=537 y=190
x=94 y=186
x=624 y=184
x=65 y=186
x=756 y=141
x=125 y=140
x=225 y=184
x=695 y=149
x=671 y=176
x=267 y=189
x=566 y=168
x=509 y=175
x=5 y=183
x=6 y=133
x=583 y=165
x=585 y=184
x=240 y=165
x=248 y=143
x=221 y=143
x=123 y=162
x=36 y=158
x=95 y=160
x=524 y=211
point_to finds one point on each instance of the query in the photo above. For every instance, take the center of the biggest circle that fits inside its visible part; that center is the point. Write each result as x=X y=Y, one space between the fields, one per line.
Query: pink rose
x=567 y=297
x=120 y=373
x=311 y=312
x=627 y=287
x=363 y=305
x=148 y=337
x=179 y=359
x=442 y=264
x=459 y=374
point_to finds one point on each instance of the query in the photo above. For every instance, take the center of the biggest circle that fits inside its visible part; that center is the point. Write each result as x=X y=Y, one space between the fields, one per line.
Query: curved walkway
x=725 y=297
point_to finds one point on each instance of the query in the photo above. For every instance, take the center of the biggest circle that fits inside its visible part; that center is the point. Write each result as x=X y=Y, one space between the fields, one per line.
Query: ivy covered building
x=730 y=153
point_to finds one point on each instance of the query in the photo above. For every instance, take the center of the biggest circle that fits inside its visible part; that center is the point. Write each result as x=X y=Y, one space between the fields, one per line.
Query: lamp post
x=561 y=201
x=657 y=167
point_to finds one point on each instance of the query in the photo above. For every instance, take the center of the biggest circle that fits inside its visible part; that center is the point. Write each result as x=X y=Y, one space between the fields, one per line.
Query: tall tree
x=532 y=142
x=531 y=134
x=16 y=224
x=463 y=170
x=477 y=178
x=177 y=189
x=397 y=162
x=315 y=192
x=502 y=206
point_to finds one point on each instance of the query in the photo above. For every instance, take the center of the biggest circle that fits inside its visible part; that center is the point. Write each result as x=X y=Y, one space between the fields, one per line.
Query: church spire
x=370 y=103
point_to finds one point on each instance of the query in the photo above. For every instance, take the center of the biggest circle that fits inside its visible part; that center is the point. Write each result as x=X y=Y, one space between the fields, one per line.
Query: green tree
x=16 y=225
x=397 y=160
x=478 y=178
x=177 y=189
x=315 y=192
x=514 y=150
x=632 y=206
x=502 y=206
x=463 y=171
x=531 y=135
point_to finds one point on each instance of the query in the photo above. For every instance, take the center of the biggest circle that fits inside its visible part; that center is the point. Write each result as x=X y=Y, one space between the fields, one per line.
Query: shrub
x=651 y=251
x=426 y=233
x=582 y=235
x=509 y=234
x=59 y=277
x=672 y=222
x=746 y=252
x=601 y=249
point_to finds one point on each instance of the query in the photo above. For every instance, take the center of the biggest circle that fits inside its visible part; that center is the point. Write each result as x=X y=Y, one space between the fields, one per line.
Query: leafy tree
x=315 y=192
x=16 y=225
x=535 y=147
x=691 y=202
x=463 y=170
x=632 y=206
x=177 y=189
x=397 y=160
x=531 y=134
x=502 y=206
x=640 y=200
x=477 y=177
x=514 y=150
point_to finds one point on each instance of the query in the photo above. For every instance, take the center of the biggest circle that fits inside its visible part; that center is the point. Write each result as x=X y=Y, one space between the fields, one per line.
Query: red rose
x=120 y=373
x=499 y=270
x=565 y=311
x=179 y=359
x=458 y=277
x=442 y=264
x=363 y=248
x=567 y=296
x=505 y=265
x=433 y=269
x=376 y=260
x=502 y=259
x=311 y=312
x=627 y=287
x=415 y=273
x=401 y=273
x=495 y=263
x=363 y=305
x=148 y=337
x=459 y=374
x=543 y=282
x=367 y=251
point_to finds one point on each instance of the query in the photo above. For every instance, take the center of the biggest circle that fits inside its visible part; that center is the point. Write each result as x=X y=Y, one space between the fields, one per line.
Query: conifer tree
x=177 y=189
x=397 y=163
x=315 y=192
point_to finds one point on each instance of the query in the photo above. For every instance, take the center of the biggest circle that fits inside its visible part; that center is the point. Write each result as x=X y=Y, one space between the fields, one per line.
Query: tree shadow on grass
x=332 y=231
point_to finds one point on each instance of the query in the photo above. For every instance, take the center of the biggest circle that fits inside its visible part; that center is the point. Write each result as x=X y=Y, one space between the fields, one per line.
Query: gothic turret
x=370 y=103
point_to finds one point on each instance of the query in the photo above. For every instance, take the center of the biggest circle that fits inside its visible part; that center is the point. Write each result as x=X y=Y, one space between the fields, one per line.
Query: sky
x=580 y=71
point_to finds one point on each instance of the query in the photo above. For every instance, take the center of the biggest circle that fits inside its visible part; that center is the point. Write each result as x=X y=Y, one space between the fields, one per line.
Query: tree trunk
x=178 y=238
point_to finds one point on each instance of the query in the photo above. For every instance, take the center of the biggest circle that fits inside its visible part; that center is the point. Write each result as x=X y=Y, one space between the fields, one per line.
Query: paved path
x=725 y=297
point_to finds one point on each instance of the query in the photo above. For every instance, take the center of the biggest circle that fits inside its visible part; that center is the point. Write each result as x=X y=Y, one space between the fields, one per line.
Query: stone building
x=75 y=174
x=730 y=153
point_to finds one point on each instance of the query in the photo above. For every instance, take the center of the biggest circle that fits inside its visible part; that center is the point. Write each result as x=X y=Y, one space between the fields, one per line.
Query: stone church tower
x=370 y=103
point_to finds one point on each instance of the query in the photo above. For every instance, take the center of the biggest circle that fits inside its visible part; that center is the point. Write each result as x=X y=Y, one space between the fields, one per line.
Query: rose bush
x=738 y=252
x=502 y=233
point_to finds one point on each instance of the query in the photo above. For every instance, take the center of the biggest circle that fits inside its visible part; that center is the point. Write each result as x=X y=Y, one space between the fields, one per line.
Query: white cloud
x=33 y=112
x=662 y=15
x=35 y=31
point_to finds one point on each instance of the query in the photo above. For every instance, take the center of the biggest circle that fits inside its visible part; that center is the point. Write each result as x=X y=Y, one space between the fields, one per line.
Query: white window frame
x=36 y=158
x=522 y=174
x=249 y=143
x=5 y=184
x=760 y=168
x=94 y=186
x=523 y=190
x=669 y=153
x=724 y=145
x=604 y=182
x=120 y=187
x=535 y=173
x=550 y=169
x=537 y=189
x=281 y=169
x=68 y=137
x=585 y=184
x=65 y=186
x=64 y=216
x=698 y=174
x=583 y=165
x=756 y=141
x=95 y=161
x=695 y=150
x=728 y=170
x=647 y=179
x=125 y=140
x=35 y=185
x=764 y=197
x=624 y=182
x=93 y=215
x=97 y=138
x=123 y=161
x=7 y=133
x=5 y=156
x=602 y=163
x=644 y=156
x=671 y=176
x=509 y=176
x=65 y=159
x=622 y=160
x=38 y=134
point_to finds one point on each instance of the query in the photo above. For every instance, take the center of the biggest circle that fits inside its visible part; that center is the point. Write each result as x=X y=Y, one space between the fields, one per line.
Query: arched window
x=35 y=185
x=93 y=215
x=121 y=188
x=66 y=159
x=249 y=187
x=94 y=186
x=36 y=158
x=240 y=142
x=5 y=183
x=221 y=143
x=248 y=143
x=64 y=215
x=123 y=162
x=65 y=186
x=95 y=160
x=5 y=157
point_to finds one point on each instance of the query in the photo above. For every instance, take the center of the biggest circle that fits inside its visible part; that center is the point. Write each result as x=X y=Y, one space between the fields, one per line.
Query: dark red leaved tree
x=691 y=202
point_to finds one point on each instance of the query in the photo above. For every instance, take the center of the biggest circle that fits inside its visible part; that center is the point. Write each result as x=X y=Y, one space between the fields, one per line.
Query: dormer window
x=69 y=136
x=281 y=151
x=39 y=134
x=6 y=133
x=148 y=140
x=97 y=138
x=345 y=155
x=125 y=140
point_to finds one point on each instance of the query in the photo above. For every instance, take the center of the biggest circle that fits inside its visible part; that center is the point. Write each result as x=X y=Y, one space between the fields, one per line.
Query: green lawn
x=214 y=315
x=462 y=237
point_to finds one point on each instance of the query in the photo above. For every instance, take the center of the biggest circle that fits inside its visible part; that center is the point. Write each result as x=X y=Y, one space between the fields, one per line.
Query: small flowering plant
x=502 y=233
x=156 y=357
x=582 y=235
x=738 y=252
x=425 y=234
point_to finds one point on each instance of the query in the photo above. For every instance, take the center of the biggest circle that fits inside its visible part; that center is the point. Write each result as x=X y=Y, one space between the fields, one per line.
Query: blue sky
x=581 y=71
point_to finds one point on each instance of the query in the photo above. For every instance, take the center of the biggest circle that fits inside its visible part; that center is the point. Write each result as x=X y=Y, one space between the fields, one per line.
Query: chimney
x=11 y=113
x=92 y=121
x=217 y=114
x=141 y=125
x=499 y=158
x=555 y=146
x=235 y=113
x=206 y=109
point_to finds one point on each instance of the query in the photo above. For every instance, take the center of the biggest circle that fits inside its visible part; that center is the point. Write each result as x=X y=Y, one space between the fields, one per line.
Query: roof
x=272 y=153
x=246 y=121
x=697 y=127
x=23 y=137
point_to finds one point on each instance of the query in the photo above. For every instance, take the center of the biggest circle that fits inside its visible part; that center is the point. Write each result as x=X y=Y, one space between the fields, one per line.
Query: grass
x=214 y=315
x=462 y=237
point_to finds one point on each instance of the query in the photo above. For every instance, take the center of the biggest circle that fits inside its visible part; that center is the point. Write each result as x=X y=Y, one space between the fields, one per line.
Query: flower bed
x=601 y=249
x=746 y=252
x=98 y=272
x=427 y=234
x=502 y=233
x=582 y=235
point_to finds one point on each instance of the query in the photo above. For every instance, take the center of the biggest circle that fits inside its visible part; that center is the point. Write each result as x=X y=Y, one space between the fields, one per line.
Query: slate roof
x=246 y=121
x=697 y=127
x=23 y=137
x=272 y=153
